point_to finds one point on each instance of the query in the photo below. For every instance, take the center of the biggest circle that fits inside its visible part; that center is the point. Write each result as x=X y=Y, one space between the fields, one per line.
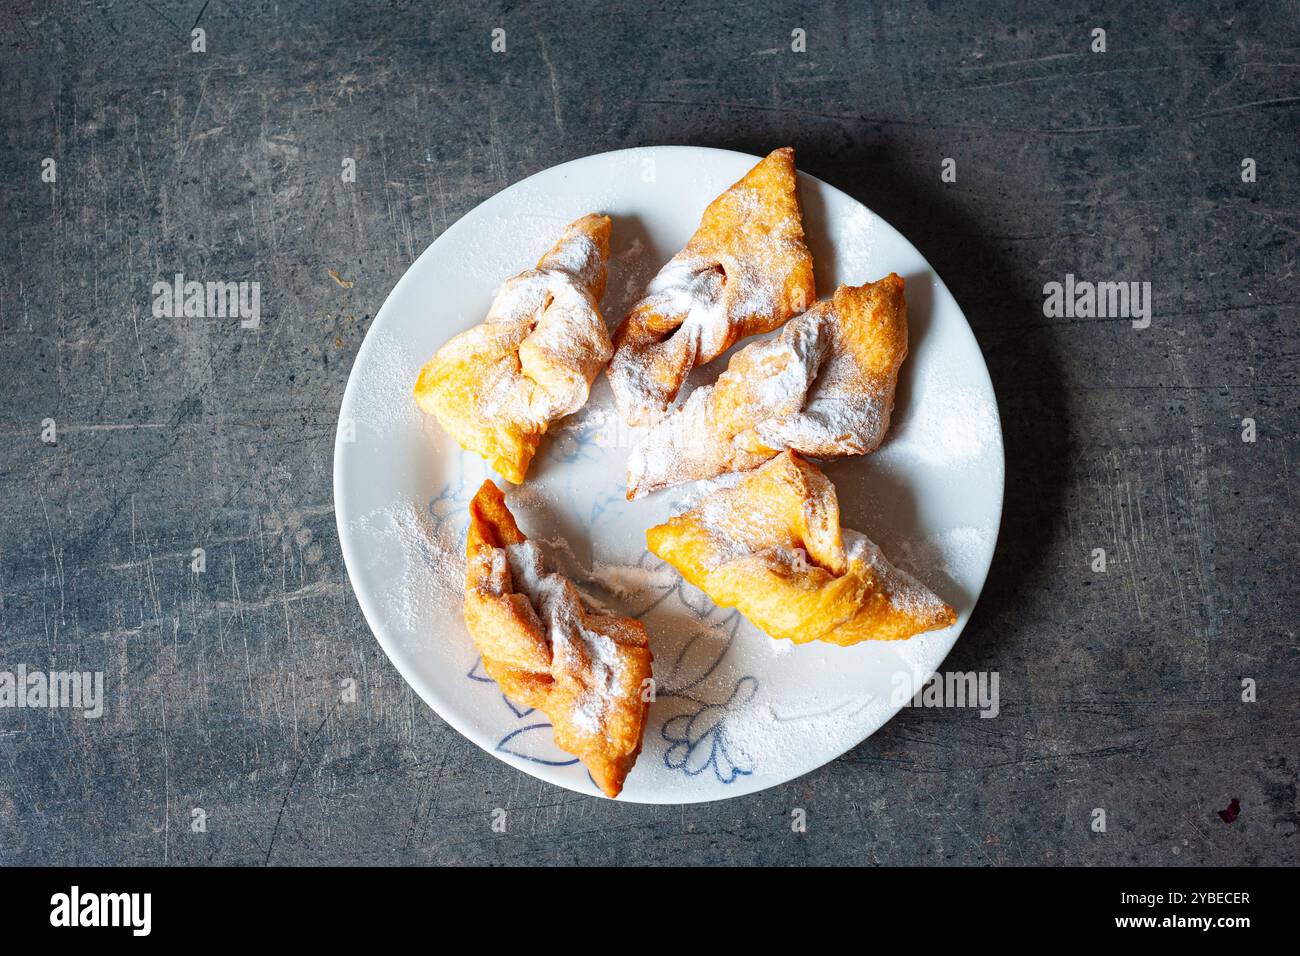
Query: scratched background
x=1119 y=690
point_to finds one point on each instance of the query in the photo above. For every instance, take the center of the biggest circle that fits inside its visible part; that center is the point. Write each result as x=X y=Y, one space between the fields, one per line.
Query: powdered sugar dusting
x=557 y=605
x=533 y=358
x=383 y=397
x=948 y=420
x=856 y=241
x=429 y=582
x=804 y=389
x=730 y=280
x=905 y=592
x=953 y=427
x=634 y=586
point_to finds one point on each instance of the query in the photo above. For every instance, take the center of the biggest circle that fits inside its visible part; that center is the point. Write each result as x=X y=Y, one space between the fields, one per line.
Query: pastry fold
x=498 y=386
x=587 y=671
x=771 y=546
x=745 y=271
x=823 y=387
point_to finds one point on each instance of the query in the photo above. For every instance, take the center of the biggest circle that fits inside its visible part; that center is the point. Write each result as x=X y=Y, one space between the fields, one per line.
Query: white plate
x=736 y=711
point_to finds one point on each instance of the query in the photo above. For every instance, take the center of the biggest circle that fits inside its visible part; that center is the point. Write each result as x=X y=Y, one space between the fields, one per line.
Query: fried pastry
x=498 y=386
x=745 y=271
x=823 y=387
x=547 y=649
x=772 y=547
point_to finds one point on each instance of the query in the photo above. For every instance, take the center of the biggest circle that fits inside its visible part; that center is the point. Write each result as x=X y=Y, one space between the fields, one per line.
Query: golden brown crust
x=588 y=672
x=772 y=547
x=498 y=386
x=745 y=271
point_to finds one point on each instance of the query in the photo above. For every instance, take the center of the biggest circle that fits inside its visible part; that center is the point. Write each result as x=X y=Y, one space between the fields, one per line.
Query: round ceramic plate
x=735 y=710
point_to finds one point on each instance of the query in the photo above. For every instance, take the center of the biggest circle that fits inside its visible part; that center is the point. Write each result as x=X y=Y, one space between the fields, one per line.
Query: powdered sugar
x=740 y=274
x=758 y=270
x=942 y=556
x=952 y=427
x=709 y=434
x=575 y=639
x=541 y=368
x=383 y=401
x=633 y=584
x=905 y=592
x=948 y=421
x=428 y=580
x=691 y=288
x=532 y=359
x=738 y=533
x=579 y=257
x=429 y=584
x=806 y=389
x=856 y=241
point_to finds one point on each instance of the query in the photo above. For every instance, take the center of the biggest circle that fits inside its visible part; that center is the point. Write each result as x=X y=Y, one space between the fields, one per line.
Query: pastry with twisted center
x=823 y=387
x=587 y=671
x=745 y=271
x=772 y=547
x=498 y=386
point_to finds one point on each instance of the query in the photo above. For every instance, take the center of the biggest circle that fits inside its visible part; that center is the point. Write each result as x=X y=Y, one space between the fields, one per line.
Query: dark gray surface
x=1119 y=691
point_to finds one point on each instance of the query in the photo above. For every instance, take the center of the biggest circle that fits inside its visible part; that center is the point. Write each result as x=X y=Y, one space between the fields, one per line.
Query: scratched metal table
x=135 y=149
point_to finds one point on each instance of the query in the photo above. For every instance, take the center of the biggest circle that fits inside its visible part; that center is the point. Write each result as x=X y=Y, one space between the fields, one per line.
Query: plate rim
x=369 y=611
